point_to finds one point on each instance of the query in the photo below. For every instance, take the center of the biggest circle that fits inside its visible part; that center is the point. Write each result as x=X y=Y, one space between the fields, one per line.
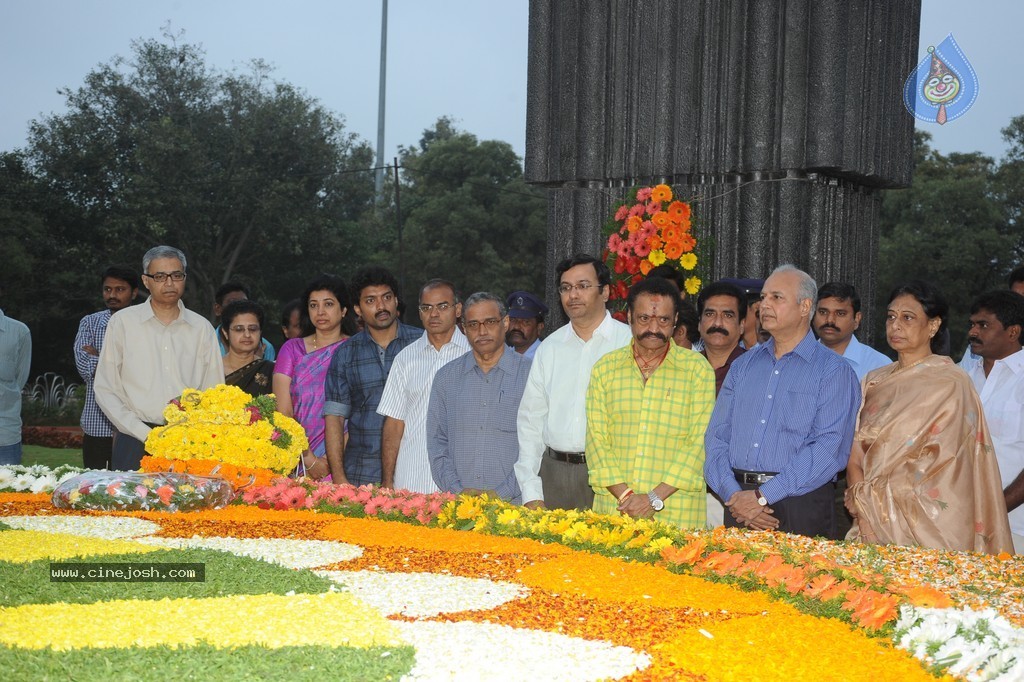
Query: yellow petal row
x=23 y=546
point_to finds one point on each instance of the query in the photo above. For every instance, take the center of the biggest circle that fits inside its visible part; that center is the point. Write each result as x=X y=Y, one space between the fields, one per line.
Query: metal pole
x=398 y=221
x=379 y=173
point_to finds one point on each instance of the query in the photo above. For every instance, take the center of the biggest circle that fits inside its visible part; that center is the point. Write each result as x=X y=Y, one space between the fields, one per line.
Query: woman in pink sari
x=922 y=469
x=302 y=365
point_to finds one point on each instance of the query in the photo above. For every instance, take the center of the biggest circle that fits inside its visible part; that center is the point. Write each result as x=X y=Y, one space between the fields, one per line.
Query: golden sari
x=930 y=472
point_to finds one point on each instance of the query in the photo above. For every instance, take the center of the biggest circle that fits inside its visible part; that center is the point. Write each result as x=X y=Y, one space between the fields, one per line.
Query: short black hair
x=1006 y=305
x=688 y=318
x=934 y=304
x=655 y=286
x=373 y=276
x=604 y=276
x=666 y=271
x=236 y=308
x=840 y=291
x=436 y=283
x=721 y=288
x=123 y=273
x=289 y=308
x=229 y=288
x=1017 y=275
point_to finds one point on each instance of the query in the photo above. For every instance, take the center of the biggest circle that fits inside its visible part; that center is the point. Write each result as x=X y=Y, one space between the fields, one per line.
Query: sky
x=460 y=58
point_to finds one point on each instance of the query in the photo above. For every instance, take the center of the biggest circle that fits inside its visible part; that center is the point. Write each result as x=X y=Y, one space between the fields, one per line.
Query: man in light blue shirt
x=836 y=319
x=784 y=420
x=15 y=360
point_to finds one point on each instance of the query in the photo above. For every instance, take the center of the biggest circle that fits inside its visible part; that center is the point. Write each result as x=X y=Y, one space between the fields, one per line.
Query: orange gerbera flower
x=928 y=597
x=645 y=267
x=671 y=233
x=688 y=242
x=679 y=211
x=661 y=193
x=660 y=220
x=655 y=242
x=684 y=555
x=673 y=250
x=819 y=585
x=634 y=223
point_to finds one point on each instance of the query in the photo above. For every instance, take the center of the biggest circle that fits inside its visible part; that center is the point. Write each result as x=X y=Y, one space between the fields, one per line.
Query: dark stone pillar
x=780 y=120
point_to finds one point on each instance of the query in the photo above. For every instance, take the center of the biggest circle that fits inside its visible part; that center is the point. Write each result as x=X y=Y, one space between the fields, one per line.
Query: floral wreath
x=654 y=231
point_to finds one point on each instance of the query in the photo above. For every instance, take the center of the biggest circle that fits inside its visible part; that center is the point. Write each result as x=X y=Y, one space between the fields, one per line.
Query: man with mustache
x=721 y=309
x=552 y=465
x=119 y=286
x=997 y=370
x=471 y=418
x=783 y=422
x=836 y=319
x=356 y=377
x=648 y=405
x=525 y=322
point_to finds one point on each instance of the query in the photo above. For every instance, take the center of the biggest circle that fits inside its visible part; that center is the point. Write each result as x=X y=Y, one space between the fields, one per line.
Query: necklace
x=901 y=368
x=647 y=367
x=314 y=341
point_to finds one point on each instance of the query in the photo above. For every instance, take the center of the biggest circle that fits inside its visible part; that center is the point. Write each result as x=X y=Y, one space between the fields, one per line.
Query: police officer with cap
x=525 y=322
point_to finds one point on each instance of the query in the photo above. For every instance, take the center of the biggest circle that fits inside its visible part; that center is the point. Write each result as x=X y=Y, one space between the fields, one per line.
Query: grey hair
x=482 y=297
x=807 y=288
x=438 y=283
x=163 y=252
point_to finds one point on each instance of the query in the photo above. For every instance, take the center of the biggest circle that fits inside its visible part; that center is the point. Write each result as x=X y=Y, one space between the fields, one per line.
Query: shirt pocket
x=797 y=411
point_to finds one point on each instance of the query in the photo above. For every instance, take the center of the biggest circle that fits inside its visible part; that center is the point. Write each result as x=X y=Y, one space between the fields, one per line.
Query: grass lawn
x=51 y=457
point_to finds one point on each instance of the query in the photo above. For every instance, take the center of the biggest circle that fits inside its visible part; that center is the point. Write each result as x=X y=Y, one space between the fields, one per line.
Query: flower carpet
x=305 y=580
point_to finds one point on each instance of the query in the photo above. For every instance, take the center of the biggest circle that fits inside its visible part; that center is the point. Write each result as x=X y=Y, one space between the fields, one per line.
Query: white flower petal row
x=34 y=479
x=105 y=527
x=425 y=594
x=474 y=651
x=286 y=552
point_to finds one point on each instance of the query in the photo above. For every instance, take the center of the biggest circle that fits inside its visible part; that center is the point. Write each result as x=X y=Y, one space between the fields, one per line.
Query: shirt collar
x=604 y=330
x=805 y=349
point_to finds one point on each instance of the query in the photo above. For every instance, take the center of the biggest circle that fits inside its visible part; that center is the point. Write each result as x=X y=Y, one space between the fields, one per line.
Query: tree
x=468 y=215
x=250 y=177
x=950 y=228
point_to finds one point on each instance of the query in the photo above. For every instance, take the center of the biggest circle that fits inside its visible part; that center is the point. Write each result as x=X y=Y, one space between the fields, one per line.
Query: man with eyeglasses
x=356 y=377
x=648 y=405
x=471 y=416
x=552 y=423
x=406 y=465
x=151 y=353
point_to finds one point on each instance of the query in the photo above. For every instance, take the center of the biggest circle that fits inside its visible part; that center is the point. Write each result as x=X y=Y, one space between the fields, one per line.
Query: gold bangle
x=626 y=493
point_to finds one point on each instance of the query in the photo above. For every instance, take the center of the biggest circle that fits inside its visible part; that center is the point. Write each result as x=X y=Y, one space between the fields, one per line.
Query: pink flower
x=622 y=213
x=647 y=230
x=249 y=496
x=653 y=207
x=615 y=243
x=643 y=194
x=642 y=249
x=363 y=496
x=141 y=490
x=275 y=435
x=371 y=508
x=637 y=209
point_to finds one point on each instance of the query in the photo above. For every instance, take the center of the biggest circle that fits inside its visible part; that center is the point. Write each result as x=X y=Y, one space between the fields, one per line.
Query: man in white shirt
x=997 y=370
x=151 y=353
x=404 y=460
x=552 y=422
x=836 y=318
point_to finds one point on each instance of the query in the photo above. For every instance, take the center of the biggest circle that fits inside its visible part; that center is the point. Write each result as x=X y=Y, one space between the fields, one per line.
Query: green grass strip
x=161 y=664
x=226 y=574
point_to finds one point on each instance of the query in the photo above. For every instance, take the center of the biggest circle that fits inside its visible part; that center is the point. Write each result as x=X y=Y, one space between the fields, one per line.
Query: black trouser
x=128 y=451
x=811 y=514
x=96 y=451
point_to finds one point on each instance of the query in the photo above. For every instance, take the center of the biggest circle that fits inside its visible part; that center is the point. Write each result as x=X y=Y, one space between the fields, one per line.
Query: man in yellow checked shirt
x=648 y=405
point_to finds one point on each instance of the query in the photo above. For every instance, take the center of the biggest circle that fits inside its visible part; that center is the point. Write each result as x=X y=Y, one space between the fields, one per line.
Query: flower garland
x=654 y=231
x=224 y=423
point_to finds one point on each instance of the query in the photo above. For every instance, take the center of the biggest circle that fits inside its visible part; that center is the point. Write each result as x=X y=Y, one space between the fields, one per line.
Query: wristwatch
x=761 y=499
x=656 y=502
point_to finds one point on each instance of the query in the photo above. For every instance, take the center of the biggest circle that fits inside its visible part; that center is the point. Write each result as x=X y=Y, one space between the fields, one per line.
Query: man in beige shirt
x=151 y=353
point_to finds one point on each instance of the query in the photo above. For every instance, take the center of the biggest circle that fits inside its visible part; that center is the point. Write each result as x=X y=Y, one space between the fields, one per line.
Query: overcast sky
x=462 y=58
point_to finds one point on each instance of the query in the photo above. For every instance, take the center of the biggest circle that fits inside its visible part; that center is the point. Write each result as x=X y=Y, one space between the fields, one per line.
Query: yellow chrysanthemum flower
x=688 y=261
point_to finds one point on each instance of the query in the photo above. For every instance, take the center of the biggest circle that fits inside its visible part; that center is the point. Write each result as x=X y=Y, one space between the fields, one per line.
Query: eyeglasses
x=240 y=329
x=565 y=287
x=662 y=320
x=425 y=308
x=161 y=277
x=489 y=323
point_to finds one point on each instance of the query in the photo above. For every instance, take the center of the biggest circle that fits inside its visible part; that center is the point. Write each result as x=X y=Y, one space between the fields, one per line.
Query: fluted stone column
x=780 y=120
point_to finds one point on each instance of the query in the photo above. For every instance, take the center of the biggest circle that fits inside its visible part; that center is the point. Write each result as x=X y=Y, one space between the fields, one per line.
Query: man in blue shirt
x=15 y=360
x=836 y=318
x=472 y=442
x=783 y=423
x=355 y=380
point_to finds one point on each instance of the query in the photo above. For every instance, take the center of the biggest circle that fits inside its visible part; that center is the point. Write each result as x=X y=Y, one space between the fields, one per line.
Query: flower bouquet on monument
x=226 y=432
x=652 y=233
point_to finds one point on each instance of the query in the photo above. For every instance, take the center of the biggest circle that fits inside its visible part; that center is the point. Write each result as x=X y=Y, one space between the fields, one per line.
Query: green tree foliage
x=951 y=228
x=250 y=177
x=468 y=216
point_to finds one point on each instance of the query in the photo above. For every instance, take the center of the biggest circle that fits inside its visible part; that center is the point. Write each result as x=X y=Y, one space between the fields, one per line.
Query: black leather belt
x=753 y=477
x=570 y=457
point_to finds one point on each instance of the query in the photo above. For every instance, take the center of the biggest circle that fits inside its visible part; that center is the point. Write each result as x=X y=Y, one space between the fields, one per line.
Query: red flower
x=254 y=414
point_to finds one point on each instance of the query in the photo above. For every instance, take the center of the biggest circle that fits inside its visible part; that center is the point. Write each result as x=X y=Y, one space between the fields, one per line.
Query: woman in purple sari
x=302 y=365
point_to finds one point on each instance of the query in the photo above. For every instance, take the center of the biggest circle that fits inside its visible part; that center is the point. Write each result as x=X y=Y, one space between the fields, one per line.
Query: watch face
x=658 y=505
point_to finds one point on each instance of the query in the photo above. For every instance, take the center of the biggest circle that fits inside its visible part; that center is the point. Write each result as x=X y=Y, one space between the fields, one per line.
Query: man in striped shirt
x=783 y=424
x=407 y=391
x=120 y=286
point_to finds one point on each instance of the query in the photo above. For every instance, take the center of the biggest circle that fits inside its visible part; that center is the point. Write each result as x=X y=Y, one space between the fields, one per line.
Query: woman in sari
x=922 y=469
x=302 y=366
x=241 y=329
